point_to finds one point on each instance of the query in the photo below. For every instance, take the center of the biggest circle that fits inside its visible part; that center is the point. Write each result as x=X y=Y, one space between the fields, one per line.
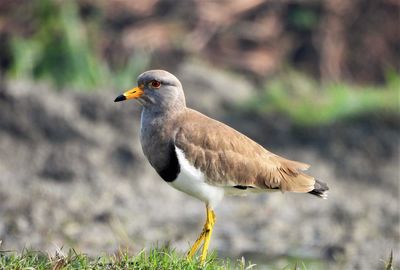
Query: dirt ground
x=72 y=174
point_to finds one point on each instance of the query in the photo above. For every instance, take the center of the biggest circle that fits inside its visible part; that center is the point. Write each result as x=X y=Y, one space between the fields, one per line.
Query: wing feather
x=229 y=158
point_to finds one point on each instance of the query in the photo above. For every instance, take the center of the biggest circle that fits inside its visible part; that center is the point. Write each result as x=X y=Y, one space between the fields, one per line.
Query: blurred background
x=315 y=81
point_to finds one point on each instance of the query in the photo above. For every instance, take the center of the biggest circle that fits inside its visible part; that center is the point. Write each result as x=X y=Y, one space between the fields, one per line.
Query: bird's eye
x=155 y=84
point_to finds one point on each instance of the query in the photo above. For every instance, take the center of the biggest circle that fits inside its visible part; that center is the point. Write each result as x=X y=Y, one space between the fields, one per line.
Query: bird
x=205 y=158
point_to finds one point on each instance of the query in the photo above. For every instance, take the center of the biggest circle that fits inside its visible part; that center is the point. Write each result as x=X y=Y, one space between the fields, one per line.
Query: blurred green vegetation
x=64 y=50
x=309 y=102
x=60 y=51
x=303 y=18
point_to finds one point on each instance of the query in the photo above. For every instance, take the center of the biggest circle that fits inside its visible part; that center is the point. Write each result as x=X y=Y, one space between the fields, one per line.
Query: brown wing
x=229 y=158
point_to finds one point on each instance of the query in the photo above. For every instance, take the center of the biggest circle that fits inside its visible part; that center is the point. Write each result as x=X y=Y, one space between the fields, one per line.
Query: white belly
x=192 y=181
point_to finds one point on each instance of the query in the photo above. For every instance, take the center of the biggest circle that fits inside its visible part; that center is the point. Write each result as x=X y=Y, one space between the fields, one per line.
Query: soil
x=72 y=174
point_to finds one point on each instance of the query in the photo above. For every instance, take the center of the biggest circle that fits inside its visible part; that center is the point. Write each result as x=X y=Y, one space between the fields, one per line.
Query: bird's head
x=156 y=89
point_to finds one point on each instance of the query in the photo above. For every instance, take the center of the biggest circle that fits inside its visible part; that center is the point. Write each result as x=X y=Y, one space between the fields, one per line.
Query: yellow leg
x=204 y=236
x=208 y=231
x=196 y=245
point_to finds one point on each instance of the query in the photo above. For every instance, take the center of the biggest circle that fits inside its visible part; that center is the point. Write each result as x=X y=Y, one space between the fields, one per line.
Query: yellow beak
x=134 y=93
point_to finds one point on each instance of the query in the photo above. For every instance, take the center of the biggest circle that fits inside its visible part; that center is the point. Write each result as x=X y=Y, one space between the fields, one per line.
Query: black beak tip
x=120 y=98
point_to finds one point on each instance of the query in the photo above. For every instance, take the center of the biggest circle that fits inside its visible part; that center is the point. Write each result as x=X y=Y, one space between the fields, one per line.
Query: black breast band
x=172 y=168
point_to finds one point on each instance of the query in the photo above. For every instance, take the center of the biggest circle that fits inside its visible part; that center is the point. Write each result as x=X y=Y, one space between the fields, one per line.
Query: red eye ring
x=155 y=84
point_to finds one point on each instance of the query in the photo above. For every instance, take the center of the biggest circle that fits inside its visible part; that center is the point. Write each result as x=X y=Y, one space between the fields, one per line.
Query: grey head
x=157 y=90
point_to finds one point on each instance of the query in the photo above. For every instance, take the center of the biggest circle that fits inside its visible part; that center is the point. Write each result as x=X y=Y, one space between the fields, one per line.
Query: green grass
x=389 y=262
x=153 y=259
x=308 y=102
x=157 y=259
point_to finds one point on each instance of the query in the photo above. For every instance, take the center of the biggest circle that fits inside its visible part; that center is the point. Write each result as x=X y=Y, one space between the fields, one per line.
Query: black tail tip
x=320 y=189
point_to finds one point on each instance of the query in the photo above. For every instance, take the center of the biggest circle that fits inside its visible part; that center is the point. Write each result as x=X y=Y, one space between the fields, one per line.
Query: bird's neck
x=158 y=111
x=155 y=121
x=156 y=134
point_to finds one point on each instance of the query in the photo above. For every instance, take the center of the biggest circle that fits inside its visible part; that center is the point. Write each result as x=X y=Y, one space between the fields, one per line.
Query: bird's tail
x=320 y=189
